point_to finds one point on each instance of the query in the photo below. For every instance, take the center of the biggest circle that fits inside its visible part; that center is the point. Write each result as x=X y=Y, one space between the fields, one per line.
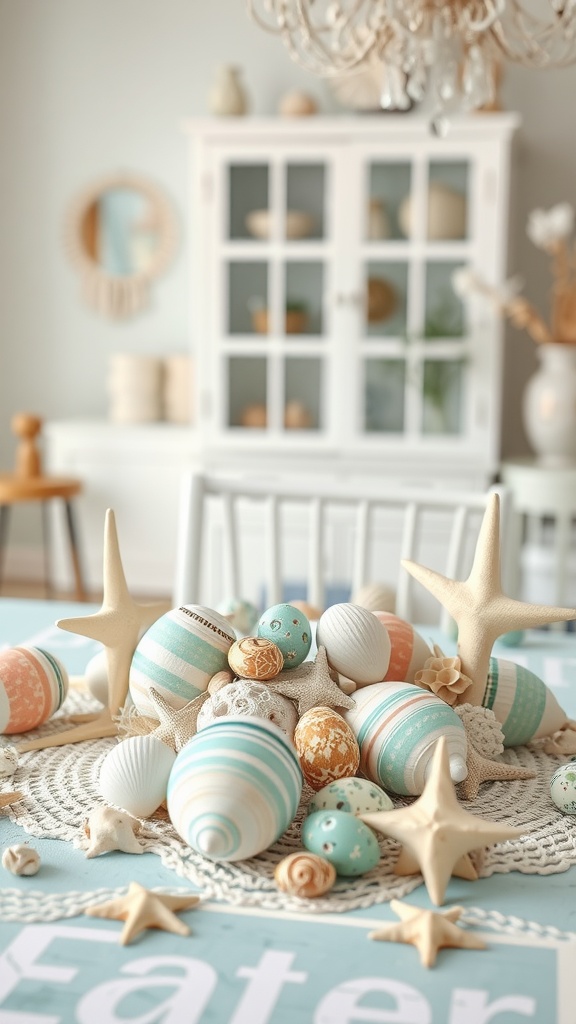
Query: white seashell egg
x=357 y=644
x=134 y=775
x=96 y=676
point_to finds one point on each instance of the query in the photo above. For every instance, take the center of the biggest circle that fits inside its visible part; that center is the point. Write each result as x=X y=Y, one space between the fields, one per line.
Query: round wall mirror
x=122 y=235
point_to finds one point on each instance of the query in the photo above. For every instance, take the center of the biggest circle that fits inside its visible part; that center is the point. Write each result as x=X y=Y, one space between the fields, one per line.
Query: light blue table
x=250 y=967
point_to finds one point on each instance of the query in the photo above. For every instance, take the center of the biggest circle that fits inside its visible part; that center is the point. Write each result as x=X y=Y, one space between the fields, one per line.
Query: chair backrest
x=271 y=540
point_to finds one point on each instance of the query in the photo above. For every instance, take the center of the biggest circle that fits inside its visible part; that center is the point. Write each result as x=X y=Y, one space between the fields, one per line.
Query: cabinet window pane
x=386 y=287
x=248 y=193
x=448 y=200
x=304 y=288
x=444 y=312
x=384 y=386
x=442 y=397
x=305 y=191
x=302 y=394
x=247 y=391
x=389 y=191
x=247 y=294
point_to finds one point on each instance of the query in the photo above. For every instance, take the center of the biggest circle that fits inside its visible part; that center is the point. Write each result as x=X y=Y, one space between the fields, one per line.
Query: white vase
x=549 y=405
x=227 y=96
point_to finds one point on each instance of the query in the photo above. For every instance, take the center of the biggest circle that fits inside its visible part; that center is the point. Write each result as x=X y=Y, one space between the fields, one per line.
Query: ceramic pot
x=227 y=97
x=549 y=405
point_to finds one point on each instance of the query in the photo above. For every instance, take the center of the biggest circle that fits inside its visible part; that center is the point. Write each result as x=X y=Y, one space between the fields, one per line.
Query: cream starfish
x=9 y=798
x=108 y=830
x=310 y=685
x=428 y=930
x=482 y=612
x=408 y=865
x=436 y=830
x=482 y=769
x=118 y=626
x=177 y=726
x=142 y=909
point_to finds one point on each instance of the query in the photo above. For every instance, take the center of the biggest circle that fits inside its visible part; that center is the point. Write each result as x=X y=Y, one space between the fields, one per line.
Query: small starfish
x=436 y=830
x=9 y=798
x=428 y=930
x=480 y=609
x=177 y=726
x=142 y=909
x=118 y=626
x=310 y=685
x=108 y=830
x=481 y=769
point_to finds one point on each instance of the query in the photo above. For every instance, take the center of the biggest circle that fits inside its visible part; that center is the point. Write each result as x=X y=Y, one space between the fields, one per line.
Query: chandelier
x=451 y=50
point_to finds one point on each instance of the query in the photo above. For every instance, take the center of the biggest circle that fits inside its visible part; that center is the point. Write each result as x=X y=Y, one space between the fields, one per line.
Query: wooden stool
x=28 y=484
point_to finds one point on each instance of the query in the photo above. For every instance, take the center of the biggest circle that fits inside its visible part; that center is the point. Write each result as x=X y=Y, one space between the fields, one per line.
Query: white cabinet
x=323 y=317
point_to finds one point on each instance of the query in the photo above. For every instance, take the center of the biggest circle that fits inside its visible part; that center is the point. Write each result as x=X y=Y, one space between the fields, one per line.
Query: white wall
x=88 y=87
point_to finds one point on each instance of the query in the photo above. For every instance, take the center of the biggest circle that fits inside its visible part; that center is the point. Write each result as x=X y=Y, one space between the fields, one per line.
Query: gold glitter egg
x=327 y=747
x=255 y=657
x=304 y=874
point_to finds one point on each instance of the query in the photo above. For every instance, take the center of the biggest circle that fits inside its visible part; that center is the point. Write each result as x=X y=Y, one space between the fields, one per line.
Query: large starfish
x=142 y=909
x=310 y=685
x=177 y=725
x=428 y=930
x=481 y=611
x=436 y=831
x=118 y=626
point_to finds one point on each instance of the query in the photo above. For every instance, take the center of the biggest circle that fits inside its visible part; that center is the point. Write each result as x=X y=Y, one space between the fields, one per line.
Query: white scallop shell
x=21 y=859
x=356 y=642
x=134 y=775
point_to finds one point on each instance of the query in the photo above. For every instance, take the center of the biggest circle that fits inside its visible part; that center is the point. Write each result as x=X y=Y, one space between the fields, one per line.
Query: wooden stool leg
x=4 y=520
x=74 y=553
x=46 y=550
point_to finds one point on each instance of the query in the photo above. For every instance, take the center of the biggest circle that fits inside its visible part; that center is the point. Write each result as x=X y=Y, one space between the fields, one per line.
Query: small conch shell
x=8 y=761
x=21 y=859
x=109 y=829
x=304 y=874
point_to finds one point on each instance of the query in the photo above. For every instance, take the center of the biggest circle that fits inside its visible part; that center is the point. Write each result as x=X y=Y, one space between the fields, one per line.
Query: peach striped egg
x=408 y=650
x=178 y=656
x=33 y=685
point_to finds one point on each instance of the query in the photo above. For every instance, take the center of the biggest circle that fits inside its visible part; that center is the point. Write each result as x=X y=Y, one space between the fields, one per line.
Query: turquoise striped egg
x=178 y=656
x=525 y=707
x=397 y=726
x=234 y=788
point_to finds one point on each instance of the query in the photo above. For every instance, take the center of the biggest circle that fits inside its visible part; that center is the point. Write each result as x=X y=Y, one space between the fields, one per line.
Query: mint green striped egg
x=234 y=788
x=525 y=707
x=178 y=656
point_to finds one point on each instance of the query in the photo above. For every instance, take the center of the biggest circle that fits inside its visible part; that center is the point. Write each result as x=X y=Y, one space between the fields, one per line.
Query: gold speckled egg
x=254 y=657
x=304 y=874
x=326 y=746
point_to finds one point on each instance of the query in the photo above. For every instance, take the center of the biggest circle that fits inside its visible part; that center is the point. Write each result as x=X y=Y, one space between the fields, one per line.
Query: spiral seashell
x=8 y=761
x=525 y=707
x=255 y=657
x=134 y=775
x=357 y=644
x=21 y=859
x=305 y=875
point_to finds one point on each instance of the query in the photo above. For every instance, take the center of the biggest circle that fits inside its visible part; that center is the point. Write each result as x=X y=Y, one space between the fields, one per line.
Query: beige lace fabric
x=60 y=786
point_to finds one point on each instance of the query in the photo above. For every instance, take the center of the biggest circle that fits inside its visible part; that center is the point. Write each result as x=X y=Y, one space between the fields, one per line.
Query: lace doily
x=60 y=787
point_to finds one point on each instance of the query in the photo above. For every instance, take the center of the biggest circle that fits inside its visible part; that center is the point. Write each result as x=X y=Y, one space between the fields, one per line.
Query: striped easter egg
x=525 y=707
x=178 y=656
x=234 y=788
x=408 y=650
x=397 y=729
x=33 y=685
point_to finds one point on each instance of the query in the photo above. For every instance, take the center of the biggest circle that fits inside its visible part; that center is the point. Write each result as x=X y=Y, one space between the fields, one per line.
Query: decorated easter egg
x=356 y=796
x=326 y=746
x=254 y=657
x=343 y=840
x=375 y=597
x=242 y=615
x=304 y=874
x=234 y=788
x=563 y=787
x=521 y=702
x=397 y=727
x=96 y=676
x=33 y=685
x=134 y=775
x=290 y=630
x=408 y=650
x=356 y=642
x=178 y=655
x=245 y=697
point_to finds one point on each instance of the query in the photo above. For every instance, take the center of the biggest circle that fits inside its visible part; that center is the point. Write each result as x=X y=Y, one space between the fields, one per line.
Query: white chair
x=252 y=538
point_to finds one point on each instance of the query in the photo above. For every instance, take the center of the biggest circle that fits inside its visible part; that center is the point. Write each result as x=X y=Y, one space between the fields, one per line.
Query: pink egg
x=408 y=650
x=33 y=685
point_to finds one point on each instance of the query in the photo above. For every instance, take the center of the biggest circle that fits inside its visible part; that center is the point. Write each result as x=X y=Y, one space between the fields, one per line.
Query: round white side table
x=542 y=491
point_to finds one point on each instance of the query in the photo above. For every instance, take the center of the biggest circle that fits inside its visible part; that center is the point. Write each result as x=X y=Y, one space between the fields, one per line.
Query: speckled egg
x=33 y=685
x=254 y=657
x=343 y=840
x=408 y=650
x=326 y=746
x=178 y=656
x=289 y=629
x=357 y=644
x=563 y=788
x=246 y=697
x=304 y=874
x=356 y=796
